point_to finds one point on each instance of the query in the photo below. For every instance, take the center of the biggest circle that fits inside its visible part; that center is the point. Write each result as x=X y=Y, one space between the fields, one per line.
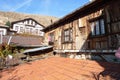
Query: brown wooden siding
x=81 y=34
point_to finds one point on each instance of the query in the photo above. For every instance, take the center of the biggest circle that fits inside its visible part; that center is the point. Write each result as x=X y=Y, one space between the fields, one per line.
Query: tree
x=8 y=23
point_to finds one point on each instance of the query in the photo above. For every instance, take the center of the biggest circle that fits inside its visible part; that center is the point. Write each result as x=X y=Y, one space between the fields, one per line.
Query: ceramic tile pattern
x=58 y=68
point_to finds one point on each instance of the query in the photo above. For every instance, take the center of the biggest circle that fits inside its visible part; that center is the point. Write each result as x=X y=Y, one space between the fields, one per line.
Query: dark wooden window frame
x=113 y=20
x=94 y=20
x=52 y=35
x=51 y=42
x=69 y=36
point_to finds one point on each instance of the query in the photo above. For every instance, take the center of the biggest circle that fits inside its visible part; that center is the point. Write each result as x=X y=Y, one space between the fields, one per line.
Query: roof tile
x=23 y=40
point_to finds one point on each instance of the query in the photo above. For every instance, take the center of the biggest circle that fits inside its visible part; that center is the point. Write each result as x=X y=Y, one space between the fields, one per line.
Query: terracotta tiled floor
x=57 y=68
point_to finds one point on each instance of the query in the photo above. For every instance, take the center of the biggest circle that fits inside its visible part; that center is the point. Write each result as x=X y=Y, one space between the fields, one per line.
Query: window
x=16 y=28
x=68 y=35
x=31 y=30
x=27 y=30
x=36 y=31
x=21 y=30
x=51 y=37
x=97 y=27
x=102 y=26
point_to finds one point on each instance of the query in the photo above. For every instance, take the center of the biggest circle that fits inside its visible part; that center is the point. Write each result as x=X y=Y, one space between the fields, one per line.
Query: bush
x=5 y=50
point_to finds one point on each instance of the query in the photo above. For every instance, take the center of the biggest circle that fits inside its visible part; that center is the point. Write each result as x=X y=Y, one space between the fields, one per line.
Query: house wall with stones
x=112 y=12
x=96 y=33
x=78 y=36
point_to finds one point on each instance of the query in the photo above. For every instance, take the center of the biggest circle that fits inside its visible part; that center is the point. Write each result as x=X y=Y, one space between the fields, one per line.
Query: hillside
x=14 y=16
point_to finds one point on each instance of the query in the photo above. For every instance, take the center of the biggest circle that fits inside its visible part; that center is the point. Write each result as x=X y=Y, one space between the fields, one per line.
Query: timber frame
x=108 y=40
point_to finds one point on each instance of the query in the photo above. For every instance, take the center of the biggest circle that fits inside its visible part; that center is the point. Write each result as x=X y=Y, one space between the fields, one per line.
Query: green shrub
x=5 y=50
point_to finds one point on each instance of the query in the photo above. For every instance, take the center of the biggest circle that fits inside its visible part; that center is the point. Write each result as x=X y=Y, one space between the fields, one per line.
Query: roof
x=58 y=68
x=3 y=26
x=11 y=30
x=7 y=27
x=37 y=49
x=27 y=19
x=23 y=41
x=80 y=12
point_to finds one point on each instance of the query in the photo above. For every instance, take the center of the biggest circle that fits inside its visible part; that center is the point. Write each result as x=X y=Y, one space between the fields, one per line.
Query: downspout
x=9 y=40
x=1 y=35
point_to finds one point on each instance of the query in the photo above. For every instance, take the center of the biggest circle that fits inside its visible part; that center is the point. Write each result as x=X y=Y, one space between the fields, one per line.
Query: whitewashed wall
x=4 y=31
x=29 y=27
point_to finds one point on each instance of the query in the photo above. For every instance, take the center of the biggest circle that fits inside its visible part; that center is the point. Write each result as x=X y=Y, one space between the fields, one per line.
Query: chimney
x=91 y=0
x=51 y=21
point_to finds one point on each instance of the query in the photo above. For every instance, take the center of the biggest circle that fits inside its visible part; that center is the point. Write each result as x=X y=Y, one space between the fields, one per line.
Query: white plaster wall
x=39 y=26
x=19 y=25
x=23 y=24
x=41 y=33
x=4 y=31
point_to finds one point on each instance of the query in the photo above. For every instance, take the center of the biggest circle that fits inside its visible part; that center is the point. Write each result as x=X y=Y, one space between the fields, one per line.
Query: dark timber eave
x=80 y=12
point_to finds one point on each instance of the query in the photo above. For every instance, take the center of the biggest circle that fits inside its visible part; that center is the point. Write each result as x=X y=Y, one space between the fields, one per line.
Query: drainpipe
x=9 y=40
x=1 y=38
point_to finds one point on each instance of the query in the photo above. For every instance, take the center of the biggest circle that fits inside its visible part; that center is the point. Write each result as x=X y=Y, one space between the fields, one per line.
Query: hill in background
x=14 y=16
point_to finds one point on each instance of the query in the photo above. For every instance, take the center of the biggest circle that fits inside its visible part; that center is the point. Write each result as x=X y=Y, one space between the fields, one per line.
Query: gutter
x=37 y=49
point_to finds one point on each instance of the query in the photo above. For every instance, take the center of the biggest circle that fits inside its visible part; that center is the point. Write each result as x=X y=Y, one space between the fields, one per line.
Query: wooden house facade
x=93 y=29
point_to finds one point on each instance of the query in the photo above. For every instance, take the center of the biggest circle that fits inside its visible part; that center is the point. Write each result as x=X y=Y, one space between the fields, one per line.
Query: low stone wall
x=89 y=56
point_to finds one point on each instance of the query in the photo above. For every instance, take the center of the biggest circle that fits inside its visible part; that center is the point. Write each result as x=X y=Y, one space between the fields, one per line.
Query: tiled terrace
x=57 y=68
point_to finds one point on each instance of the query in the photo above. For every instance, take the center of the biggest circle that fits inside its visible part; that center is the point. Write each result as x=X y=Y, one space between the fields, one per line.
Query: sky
x=57 y=8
